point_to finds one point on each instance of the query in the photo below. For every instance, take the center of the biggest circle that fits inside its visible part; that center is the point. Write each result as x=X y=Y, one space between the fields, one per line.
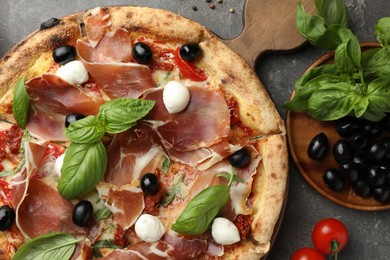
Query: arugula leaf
x=20 y=103
x=83 y=168
x=87 y=130
x=59 y=246
x=382 y=31
x=109 y=243
x=172 y=193
x=103 y=213
x=123 y=113
x=333 y=11
x=166 y=165
x=348 y=56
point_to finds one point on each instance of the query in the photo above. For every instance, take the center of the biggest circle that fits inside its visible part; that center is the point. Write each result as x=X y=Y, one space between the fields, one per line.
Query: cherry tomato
x=330 y=236
x=188 y=68
x=307 y=253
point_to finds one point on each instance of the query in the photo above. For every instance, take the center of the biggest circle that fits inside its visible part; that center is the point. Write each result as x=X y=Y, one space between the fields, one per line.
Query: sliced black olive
x=318 y=146
x=49 y=23
x=333 y=179
x=64 y=54
x=381 y=194
x=82 y=213
x=376 y=151
x=347 y=126
x=149 y=183
x=7 y=217
x=240 y=159
x=361 y=188
x=347 y=168
x=375 y=176
x=72 y=118
x=142 y=53
x=342 y=150
x=190 y=51
x=359 y=140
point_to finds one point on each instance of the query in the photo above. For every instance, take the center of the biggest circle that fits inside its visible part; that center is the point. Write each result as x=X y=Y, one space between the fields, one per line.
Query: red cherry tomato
x=330 y=236
x=307 y=253
x=188 y=69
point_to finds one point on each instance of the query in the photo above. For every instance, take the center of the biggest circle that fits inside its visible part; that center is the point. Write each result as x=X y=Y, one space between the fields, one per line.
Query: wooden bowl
x=301 y=128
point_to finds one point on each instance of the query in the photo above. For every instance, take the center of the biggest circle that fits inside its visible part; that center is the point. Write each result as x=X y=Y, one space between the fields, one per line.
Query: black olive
x=376 y=151
x=318 y=146
x=82 y=213
x=381 y=194
x=347 y=168
x=142 y=53
x=360 y=162
x=7 y=217
x=359 y=140
x=361 y=188
x=71 y=118
x=342 y=150
x=149 y=183
x=333 y=179
x=64 y=54
x=240 y=159
x=375 y=176
x=386 y=142
x=371 y=129
x=190 y=51
x=49 y=23
x=347 y=126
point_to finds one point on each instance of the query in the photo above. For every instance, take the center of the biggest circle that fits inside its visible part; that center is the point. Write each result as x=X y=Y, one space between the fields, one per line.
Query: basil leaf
x=103 y=213
x=373 y=116
x=378 y=93
x=360 y=106
x=313 y=73
x=109 y=243
x=20 y=103
x=347 y=56
x=334 y=36
x=172 y=193
x=382 y=31
x=122 y=113
x=83 y=168
x=166 y=165
x=333 y=11
x=376 y=63
x=86 y=130
x=50 y=246
x=311 y=27
x=332 y=101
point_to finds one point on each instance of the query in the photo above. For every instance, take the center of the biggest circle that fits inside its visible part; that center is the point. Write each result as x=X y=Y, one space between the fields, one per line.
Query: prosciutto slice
x=97 y=23
x=51 y=100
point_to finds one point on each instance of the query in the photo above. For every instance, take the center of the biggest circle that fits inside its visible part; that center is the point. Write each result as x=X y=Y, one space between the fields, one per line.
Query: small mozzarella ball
x=224 y=231
x=58 y=164
x=149 y=228
x=176 y=97
x=73 y=72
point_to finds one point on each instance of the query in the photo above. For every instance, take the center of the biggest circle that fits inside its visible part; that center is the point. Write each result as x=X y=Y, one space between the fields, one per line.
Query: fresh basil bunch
x=357 y=84
x=86 y=158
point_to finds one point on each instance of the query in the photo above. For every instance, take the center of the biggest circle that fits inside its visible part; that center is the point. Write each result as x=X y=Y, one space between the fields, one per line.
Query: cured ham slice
x=97 y=23
x=125 y=202
x=203 y=123
x=51 y=100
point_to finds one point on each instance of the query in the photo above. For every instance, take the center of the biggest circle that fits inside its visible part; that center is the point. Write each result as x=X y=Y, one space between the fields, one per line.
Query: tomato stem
x=334 y=248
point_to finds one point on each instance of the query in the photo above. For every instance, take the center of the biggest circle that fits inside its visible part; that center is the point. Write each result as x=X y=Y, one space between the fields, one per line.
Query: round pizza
x=135 y=133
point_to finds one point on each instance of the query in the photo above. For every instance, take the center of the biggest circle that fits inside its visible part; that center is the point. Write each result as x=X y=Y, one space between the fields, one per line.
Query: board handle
x=268 y=25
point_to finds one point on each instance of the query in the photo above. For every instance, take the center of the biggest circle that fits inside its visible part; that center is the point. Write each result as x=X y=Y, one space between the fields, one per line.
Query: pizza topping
x=72 y=118
x=142 y=53
x=149 y=228
x=58 y=164
x=190 y=51
x=240 y=159
x=149 y=183
x=21 y=103
x=97 y=23
x=224 y=231
x=7 y=217
x=73 y=72
x=82 y=213
x=189 y=69
x=64 y=54
x=49 y=23
x=176 y=97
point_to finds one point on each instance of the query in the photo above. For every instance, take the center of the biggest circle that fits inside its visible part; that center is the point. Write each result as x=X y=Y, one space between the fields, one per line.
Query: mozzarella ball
x=149 y=228
x=224 y=231
x=58 y=164
x=176 y=97
x=73 y=72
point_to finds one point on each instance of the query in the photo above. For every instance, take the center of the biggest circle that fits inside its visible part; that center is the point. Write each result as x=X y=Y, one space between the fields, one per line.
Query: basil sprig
x=86 y=158
x=357 y=84
x=59 y=246
x=20 y=103
x=203 y=208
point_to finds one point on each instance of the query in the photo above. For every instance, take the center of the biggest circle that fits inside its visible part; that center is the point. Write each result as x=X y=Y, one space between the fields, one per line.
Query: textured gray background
x=369 y=231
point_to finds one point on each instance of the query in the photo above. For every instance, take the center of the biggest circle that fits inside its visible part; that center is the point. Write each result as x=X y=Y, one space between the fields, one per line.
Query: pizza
x=135 y=133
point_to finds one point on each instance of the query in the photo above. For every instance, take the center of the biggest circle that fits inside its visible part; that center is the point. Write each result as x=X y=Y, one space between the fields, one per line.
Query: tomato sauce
x=10 y=141
x=235 y=116
x=6 y=190
x=243 y=225
x=152 y=202
x=120 y=237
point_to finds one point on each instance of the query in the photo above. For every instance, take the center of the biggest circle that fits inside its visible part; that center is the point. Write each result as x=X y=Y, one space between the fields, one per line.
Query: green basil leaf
x=59 y=246
x=333 y=11
x=172 y=193
x=382 y=31
x=202 y=209
x=122 y=113
x=378 y=93
x=360 y=106
x=348 y=56
x=87 y=130
x=227 y=176
x=165 y=166
x=373 y=116
x=313 y=73
x=331 y=101
x=311 y=27
x=83 y=168
x=103 y=213
x=334 y=36
x=20 y=103
x=376 y=63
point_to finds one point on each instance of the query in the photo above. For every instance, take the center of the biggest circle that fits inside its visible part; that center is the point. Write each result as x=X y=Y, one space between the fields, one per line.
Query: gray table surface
x=369 y=231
